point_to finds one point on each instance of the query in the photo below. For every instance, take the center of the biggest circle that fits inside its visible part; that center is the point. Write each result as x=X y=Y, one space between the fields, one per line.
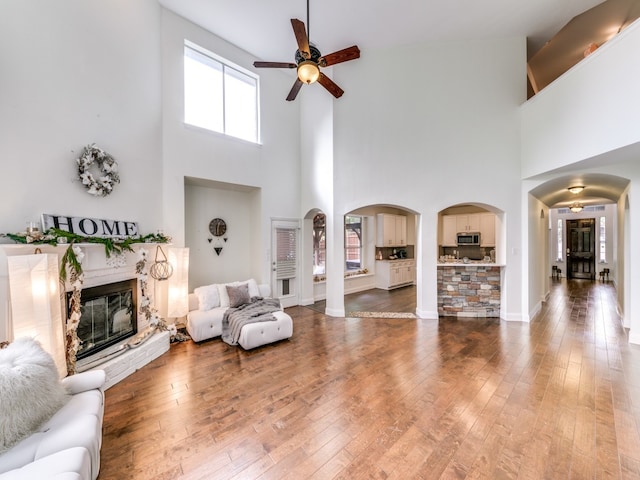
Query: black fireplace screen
x=107 y=316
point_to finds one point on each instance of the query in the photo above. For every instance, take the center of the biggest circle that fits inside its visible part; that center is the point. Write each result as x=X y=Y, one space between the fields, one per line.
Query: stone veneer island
x=469 y=290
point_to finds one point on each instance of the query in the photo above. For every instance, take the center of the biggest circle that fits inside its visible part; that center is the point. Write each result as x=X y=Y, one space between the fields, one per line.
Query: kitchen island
x=469 y=289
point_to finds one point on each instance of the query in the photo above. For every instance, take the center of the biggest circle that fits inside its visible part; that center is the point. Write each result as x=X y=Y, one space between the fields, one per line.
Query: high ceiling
x=263 y=27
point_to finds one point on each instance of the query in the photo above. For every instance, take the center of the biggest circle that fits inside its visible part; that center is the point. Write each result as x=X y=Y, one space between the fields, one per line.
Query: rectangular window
x=353 y=242
x=559 y=241
x=219 y=96
x=603 y=240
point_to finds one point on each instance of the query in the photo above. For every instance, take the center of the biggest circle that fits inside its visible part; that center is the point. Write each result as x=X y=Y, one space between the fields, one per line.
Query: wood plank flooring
x=391 y=399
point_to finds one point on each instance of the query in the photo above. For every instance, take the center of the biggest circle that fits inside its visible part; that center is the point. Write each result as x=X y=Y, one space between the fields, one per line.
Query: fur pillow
x=238 y=295
x=30 y=391
x=208 y=297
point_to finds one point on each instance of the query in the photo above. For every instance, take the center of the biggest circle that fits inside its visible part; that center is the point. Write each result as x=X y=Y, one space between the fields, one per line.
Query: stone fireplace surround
x=100 y=270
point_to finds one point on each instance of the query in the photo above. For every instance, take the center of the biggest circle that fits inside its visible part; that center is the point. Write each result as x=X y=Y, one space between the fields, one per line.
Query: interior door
x=284 y=265
x=581 y=245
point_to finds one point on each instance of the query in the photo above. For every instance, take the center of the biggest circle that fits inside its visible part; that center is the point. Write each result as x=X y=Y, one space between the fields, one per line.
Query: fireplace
x=107 y=316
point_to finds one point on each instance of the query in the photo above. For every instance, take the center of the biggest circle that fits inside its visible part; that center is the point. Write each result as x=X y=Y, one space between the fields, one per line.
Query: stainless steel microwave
x=469 y=238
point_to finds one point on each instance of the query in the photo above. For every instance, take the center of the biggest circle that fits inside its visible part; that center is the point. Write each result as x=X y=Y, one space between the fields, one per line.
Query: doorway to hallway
x=581 y=246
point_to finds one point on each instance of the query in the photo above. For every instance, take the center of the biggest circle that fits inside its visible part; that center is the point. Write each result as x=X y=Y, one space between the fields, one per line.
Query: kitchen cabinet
x=395 y=273
x=468 y=223
x=449 y=231
x=485 y=223
x=487 y=230
x=391 y=230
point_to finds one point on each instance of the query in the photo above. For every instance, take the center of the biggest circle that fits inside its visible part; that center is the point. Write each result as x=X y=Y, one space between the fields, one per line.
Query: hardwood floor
x=361 y=398
x=401 y=300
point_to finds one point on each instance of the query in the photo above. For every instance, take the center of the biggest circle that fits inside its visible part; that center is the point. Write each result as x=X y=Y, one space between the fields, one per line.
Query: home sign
x=90 y=227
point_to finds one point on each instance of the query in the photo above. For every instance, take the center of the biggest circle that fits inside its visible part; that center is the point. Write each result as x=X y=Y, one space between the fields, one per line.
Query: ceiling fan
x=308 y=61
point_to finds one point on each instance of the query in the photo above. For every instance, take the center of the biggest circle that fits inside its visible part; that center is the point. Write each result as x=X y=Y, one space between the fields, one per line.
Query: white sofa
x=208 y=304
x=67 y=446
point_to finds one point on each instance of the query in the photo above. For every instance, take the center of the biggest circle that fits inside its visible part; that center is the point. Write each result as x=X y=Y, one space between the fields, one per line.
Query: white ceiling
x=263 y=28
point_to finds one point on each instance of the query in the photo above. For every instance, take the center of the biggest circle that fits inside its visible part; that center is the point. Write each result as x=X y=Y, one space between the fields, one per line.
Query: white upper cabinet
x=449 y=231
x=487 y=230
x=468 y=223
x=391 y=230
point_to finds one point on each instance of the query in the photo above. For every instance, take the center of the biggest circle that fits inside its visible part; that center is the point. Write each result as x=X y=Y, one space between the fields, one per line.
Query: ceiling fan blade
x=329 y=84
x=344 y=55
x=300 y=32
x=274 y=65
x=294 y=90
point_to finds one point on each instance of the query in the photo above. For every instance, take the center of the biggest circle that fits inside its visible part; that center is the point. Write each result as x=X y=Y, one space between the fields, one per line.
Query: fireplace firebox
x=107 y=316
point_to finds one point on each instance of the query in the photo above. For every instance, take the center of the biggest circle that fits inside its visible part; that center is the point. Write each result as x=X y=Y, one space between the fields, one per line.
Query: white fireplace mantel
x=98 y=269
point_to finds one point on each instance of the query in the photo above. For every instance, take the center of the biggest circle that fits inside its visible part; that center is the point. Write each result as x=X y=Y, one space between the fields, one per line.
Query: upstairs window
x=218 y=95
x=353 y=242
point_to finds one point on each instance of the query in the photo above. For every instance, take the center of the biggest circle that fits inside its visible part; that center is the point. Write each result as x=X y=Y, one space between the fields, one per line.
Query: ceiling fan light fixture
x=308 y=71
x=576 y=189
x=576 y=207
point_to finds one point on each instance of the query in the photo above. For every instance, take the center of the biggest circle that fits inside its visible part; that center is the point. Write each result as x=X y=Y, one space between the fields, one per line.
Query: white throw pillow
x=254 y=291
x=208 y=297
x=30 y=391
x=224 y=296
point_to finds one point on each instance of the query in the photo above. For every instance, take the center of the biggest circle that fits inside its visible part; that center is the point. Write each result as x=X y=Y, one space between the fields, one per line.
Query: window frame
x=319 y=244
x=560 y=240
x=602 y=239
x=359 y=248
x=238 y=73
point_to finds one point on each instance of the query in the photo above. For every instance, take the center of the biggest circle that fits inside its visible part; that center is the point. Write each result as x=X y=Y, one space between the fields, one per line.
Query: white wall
x=586 y=112
x=537 y=271
x=204 y=203
x=445 y=134
x=273 y=166
x=74 y=73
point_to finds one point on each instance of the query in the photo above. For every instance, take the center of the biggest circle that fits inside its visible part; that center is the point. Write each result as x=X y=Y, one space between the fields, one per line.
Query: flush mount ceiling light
x=576 y=189
x=576 y=207
x=308 y=71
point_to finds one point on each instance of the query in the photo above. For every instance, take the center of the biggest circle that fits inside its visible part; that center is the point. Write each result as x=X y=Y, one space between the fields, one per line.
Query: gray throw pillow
x=238 y=295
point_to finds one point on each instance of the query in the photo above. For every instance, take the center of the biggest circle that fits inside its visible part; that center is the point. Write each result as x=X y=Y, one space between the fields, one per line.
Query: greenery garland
x=111 y=245
x=71 y=267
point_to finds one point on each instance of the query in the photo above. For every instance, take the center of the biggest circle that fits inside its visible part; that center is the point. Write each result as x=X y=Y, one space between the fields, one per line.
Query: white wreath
x=108 y=166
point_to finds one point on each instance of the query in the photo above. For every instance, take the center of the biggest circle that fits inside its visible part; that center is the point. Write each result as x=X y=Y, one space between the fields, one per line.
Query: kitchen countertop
x=471 y=263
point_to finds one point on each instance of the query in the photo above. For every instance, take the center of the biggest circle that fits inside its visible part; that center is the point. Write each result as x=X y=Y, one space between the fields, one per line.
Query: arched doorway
x=471 y=258
x=585 y=232
x=380 y=261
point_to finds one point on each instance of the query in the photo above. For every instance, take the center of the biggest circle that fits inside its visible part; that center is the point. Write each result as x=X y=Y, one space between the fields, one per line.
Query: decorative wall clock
x=217 y=227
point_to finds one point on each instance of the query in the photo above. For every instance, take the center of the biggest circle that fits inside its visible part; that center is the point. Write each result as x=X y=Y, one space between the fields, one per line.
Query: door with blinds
x=284 y=264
